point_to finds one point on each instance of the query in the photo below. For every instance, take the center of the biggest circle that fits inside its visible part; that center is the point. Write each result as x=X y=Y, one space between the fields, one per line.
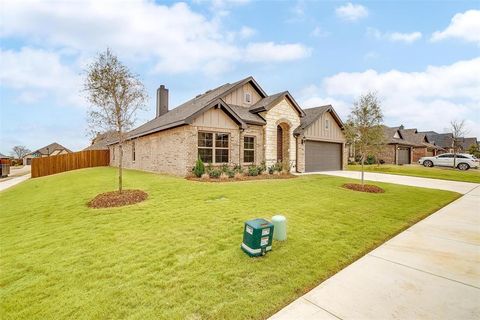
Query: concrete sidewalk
x=430 y=271
x=10 y=183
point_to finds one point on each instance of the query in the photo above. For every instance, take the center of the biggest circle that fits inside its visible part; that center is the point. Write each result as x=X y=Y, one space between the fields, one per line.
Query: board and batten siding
x=214 y=118
x=318 y=131
x=237 y=97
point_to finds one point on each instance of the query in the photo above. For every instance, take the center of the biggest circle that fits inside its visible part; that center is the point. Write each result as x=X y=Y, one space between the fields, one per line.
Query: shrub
x=230 y=173
x=223 y=176
x=238 y=175
x=199 y=168
x=214 y=173
x=237 y=168
x=253 y=170
x=370 y=160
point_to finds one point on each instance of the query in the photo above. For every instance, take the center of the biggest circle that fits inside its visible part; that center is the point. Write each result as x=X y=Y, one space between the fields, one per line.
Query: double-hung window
x=213 y=147
x=249 y=149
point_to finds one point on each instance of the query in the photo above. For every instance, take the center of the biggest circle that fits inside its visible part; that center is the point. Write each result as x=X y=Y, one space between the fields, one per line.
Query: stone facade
x=281 y=114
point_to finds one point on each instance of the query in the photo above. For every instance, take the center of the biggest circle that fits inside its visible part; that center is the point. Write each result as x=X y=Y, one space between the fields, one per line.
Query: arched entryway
x=283 y=143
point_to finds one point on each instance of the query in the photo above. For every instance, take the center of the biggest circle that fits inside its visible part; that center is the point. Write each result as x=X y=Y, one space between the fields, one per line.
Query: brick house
x=236 y=123
x=405 y=146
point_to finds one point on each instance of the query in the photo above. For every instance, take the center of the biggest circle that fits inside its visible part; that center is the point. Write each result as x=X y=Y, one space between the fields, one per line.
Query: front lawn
x=444 y=173
x=177 y=255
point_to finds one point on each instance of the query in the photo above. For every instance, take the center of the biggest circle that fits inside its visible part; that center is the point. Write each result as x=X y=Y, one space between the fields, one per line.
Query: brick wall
x=388 y=154
x=418 y=153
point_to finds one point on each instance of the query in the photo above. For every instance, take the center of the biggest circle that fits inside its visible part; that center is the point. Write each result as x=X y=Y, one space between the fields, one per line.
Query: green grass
x=472 y=175
x=177 y=255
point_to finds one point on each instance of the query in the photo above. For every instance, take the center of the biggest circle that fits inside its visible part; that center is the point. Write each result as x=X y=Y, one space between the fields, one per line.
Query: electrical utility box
x=257 y=237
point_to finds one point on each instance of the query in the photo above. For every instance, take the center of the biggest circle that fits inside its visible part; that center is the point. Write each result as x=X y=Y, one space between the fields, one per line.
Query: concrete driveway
x=15 y=177
x=430 y=271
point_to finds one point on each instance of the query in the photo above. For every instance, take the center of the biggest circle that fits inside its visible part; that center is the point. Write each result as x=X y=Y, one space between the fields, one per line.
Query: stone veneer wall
x=300 y=155
x=282 y=112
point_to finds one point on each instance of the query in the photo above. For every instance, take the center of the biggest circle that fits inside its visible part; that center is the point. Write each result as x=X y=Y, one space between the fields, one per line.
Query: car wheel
x=463 y=166
x=428 y=163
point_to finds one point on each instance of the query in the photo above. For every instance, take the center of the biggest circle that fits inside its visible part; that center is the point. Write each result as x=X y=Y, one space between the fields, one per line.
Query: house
x=52 y=149
x=101 y=141
x=405 y=146
x=466 y=143
x=443 y=140
x=236 y=123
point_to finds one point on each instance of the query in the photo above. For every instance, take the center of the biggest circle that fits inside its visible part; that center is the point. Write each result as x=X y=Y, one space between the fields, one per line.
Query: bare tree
x=364 y=127
x=458 y=132
x=20 y=151
x=115 y=95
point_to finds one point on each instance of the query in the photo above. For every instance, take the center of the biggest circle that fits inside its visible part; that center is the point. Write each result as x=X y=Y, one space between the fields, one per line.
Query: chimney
x=162 y=101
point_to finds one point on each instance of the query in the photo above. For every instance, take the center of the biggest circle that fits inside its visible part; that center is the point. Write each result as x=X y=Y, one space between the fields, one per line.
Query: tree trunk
x=120 y=166
x=454 y=158
x=363 y=170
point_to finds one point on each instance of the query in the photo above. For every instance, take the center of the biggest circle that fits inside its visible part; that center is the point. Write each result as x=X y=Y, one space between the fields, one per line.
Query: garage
x=322 y=156
x=403 y=155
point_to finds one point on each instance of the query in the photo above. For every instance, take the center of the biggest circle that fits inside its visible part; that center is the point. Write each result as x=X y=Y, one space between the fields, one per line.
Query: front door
x=279 y=144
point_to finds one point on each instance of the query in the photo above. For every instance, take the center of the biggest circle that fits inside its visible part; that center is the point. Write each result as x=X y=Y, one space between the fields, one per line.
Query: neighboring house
x=4 y=157
x=422 y=145
x=466 y=143
x=405 y=146
x=101 y=141
x=52 y=149
x=236 y=123
x=443 y=140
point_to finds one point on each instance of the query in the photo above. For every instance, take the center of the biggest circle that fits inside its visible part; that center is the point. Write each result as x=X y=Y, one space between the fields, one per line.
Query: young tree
x=364 y=127
x=115 y=95
x=474 y=150
x=458 y=132
x=20 y=151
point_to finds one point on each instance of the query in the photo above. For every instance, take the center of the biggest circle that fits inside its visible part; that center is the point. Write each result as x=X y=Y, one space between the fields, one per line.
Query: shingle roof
x=179 y=115
x=311 y=115
x=267 y=103
x=101 y=141
x=467 y=142
x=389 y=133
x=50 y=148
x=444 y=140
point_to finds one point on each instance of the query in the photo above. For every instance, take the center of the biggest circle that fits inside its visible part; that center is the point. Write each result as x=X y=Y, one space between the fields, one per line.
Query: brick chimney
x=162 y=101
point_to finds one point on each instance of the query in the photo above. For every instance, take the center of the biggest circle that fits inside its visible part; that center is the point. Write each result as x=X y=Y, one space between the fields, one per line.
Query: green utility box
x=257 y=237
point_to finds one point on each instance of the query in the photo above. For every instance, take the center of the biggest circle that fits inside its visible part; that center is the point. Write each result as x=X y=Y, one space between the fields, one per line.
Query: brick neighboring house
x=446 y=141
x=405 y=146
x=52 y=149
x=236 y=123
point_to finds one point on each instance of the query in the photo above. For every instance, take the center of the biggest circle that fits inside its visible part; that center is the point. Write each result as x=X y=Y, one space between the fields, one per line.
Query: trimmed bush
x=199 y=168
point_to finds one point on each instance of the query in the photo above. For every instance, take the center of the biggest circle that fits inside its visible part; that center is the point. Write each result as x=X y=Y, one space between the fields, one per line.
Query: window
x=327 y=124
x=211 y=151
x=248 y=149
x=396 y=135
x=133 y=150
x=448 y=155
x=248 y=97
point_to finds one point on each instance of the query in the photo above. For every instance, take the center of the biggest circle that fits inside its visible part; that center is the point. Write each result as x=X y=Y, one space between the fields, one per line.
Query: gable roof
x=50 y=148
x=184 y=113
x=312 y=114
x=269 y=102
x=444 y=140
x=417 y=138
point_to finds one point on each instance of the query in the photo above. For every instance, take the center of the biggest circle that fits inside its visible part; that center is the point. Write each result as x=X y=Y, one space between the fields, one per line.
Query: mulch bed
x=116 y=199
x=365 y=188
x=245 y=178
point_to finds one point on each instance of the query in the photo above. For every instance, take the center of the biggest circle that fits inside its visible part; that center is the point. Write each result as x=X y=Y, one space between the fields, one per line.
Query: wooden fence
x=71 y=161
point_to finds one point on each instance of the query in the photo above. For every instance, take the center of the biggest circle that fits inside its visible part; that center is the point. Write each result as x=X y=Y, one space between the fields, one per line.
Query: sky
x=422 y=58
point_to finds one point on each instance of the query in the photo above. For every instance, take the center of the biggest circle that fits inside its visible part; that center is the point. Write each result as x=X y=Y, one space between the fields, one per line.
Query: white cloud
x=271 y=52
x=37 y=73
x=175 y=37
x=394 y=36
x=405 y=37
x=351 y=12
x=465 y=26
x=428 y=100
x=318 y=32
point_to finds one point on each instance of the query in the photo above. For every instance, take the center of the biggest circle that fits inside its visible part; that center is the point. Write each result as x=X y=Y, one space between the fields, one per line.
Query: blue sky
x=423 y=58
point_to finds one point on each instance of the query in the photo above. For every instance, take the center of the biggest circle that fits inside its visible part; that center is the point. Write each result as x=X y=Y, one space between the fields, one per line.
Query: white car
x=464 y=161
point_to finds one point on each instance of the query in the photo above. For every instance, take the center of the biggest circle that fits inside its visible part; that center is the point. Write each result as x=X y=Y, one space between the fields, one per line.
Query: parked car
x=464 y=161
